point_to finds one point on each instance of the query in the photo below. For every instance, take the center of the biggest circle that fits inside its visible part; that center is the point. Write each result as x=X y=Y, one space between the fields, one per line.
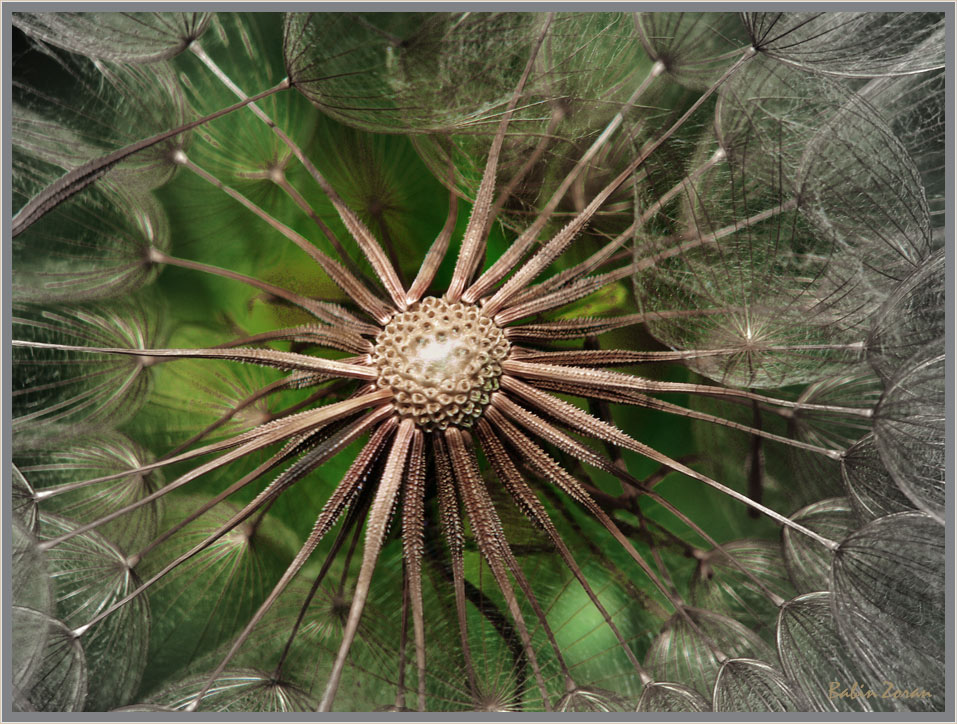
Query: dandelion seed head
x=145 y=360
x=497 y=700
x=442 y=361
x=465 y=558
x=277 y=174
x=338 y=608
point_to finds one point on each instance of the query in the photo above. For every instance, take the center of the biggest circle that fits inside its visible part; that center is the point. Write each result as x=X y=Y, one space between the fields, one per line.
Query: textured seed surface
x=442 y=361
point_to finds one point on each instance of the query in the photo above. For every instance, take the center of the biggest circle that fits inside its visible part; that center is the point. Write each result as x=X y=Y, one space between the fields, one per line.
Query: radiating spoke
x=380 y=515
x=256 y=439
x=316 y=457
x=583 y=327
x=455 y=538
x=567 y=295
x=359 y=231
x=343 y=278
x=436 y=252
x=510 y=476
x=520 y=246
x=413 y=544
x=265 y=357
x=321 y=335
x=567 y=483
x=341 y=498
x=636 y=398
x=328 y=313
x=490 y=539
x=582 y=421
x=551 y=250
x=616 y=380
x=81 y=177
x=473 y=243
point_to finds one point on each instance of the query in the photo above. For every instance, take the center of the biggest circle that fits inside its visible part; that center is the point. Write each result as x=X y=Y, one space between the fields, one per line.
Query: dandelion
x=274 y=454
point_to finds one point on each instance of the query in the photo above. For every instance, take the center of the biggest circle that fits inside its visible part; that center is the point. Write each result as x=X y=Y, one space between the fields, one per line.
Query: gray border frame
x=6 y=715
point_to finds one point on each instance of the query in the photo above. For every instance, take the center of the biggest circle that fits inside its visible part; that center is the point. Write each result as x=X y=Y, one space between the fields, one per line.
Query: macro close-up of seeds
x=479 y=361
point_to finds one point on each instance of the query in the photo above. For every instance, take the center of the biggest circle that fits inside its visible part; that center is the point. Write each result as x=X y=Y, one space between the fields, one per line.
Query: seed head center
x=442 y=360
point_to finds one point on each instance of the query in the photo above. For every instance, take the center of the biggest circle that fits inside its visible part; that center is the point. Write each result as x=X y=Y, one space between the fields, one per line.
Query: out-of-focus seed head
x=442 y=360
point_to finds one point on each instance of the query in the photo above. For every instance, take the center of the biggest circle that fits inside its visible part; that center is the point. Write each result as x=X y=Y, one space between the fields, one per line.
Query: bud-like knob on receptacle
x=442 y=361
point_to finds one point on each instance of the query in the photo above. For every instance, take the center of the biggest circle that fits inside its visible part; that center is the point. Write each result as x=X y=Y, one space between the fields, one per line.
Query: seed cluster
x=442 y=361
